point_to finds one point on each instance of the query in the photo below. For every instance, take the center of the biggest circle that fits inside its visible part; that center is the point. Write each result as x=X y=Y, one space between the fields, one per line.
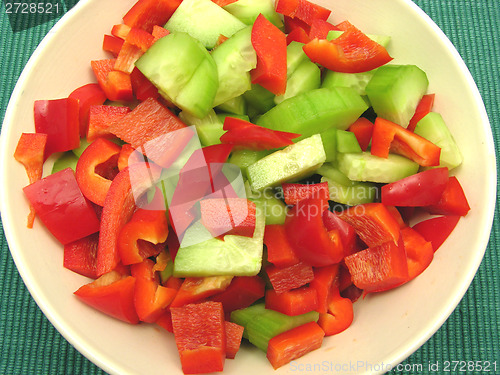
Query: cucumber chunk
x=66 y=160
x=329 y=139
x=259 y=99
x=209 y=128
x=248 y=10
x=356 y=81
x=236 y=106
x=243 y=316
x=244 y=158
x=306 y=77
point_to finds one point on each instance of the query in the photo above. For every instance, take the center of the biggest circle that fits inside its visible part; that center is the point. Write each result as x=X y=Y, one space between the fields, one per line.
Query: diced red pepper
x=159 y=32
x=62 y=207
x=298 y=34
x=234 y=334
x=224 y=216
x=195 y=289
x=147 y=13
x=452 y=202
x=58 y=119
x=324 y=278
x=140 y=38
x=363 y=130
x=112 y=294
x=142 y=87
x=128 y=55
x=302 y=9
x=199 y=331
x=423 y=108
x=388 y=136
x=120 y=31
x=115 y=84
x=351 y=52
x=287 y=8
x=419 y=252
x=129 y=156
x=397 y=216
x=339 y=316
x=165 y=321
x=294 y=193
x=100 y=119
x=292 y=277
x=307 y=234
x=320 y=29
x=80 y=256
x=113 y=44
x=292 y=302
x=344 y=25
x=378 y=268
x=87 y=95
x=279 y=250
x=345 y=230
x=344 y=279
x=223 y=3
x=437 y=229
x=270 y=44
x=421 y=189
x=372 y=222
x=294 y=343
x=293 y=23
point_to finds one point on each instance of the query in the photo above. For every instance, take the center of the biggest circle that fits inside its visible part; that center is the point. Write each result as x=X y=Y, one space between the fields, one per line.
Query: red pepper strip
x=224 y=216
x=397 y=216
x=324 y=278
x=140 y=38
x=173 y=282
x=339 y=316
x=113 y=44
x=120 y=31
x=298 y=34
x=307 y=234
x=378 y=268
x=419 y=252
x=303 y=10
x=294 y=23
x=234 y=334
x=294 y=193
x=129 y=156
x=150 y=298
x=80 y=256
x=287 y=278
x=58 y=119
x=279 y=250
x=287 y=8
x=452 y=202
x=423 y=108
x=344 y=279
x=437 y=229
x=101 y=117
x=344 y=25
x=195 y=289
x=352 y=292
x=145 y=225
x=112 y=294
x=372 y=222
x=119 y=206
x=292 y=302
x=199 y=331
x=346 y=231
x=269 y=43
x=320 y=29
x=147 y=13
x=142 y=87
x=421 y=189
x=241 y=293
x=159 y=32
x=30 y=152
x=115 y=84
x=87 y=95
x=294 y=343
x=150 y=128
x=94 y=186
x=351 y=52
x=128 y=55
x=388 y=136
x=62 y=207
x=165 y=321
x=363 y=130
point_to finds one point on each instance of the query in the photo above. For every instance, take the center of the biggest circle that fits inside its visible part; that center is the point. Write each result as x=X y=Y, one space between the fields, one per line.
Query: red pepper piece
x=298 y=34
x=344 y=279
x=241 y=293
x=58 y=119
x=147 y=13
x=115 y=84
x=223 y=3
x=279 y=250
x=159 y=32
x=120 y=31
x=294 y=193
x=234 y=334
x=101 y=117
x=128 y=55
x=142 y=87
x=145 y=225
x=62 y=207
x=419 y=252
x=129 y=156
x=293 y=23
x=199 y=331
x=346 y=231
x=94 y=186
x=287 y=278
x=140 y=38
x=80 y=256
x=344 y=25
x=112 y=294
x=269 y=43
x=287 y=8
x=293 y=302
x=195 y=289
x=372 y=222
x=324 y=278
x=437 y=229
x=423 y=108
x=388 y=136
x=397 y=216
x=308 y=236
x=452 y=202
x=165 y=321
x=351 y=52
x=87 y=95
x=421 y=189
x=320 y=29
x=113 y=44
x=294 y=343
x=363 y=130
x=339 y=316
x=378 y=268
x=224 y=216
x=303 y=10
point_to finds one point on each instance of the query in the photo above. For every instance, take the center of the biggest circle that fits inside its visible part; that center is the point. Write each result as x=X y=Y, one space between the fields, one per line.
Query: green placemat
x=29 y=344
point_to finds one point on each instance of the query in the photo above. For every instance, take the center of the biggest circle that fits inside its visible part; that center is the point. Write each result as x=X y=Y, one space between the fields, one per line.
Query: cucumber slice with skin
x=356 y=81
x=259 y=99
x=236 y=106
x=66 y=160
x=329 y=139
x=363 y=166
x=295 y=56
x=209 y=128
x=347 y=142
x=244 y=158
x=306 y=77
x=243 y=316
x=247 y=11
x=395 y=91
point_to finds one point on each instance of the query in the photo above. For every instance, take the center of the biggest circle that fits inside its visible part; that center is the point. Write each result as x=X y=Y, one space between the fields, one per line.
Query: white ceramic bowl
x=387 y=328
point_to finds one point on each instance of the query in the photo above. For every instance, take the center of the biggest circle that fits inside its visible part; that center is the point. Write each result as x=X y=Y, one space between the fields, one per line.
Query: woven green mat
x=29 y=344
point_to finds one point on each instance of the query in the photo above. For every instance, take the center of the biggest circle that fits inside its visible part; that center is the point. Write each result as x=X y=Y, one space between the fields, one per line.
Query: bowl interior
x=387 y=327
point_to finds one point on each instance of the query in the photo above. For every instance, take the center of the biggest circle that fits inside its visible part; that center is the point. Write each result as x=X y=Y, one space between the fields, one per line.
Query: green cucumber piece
x=259 y=99
x=315 y=111
x=433 y=128
x=66 y=160
x=234 y=59
x=236 y=106
x=209 y=128
x=243 y=316
x=356 y=81
x=347 y=142
x=203 y=20
x=168 y=271
x=244 y=158
x=295 y=56
x=383 y=40
x=306 y=77
x=222 y=116
x=247 y=11
x=363 y=166
x=395 y=91
x=290 y=164
x=275 y=210
x=83 y=145
x=329 y=139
